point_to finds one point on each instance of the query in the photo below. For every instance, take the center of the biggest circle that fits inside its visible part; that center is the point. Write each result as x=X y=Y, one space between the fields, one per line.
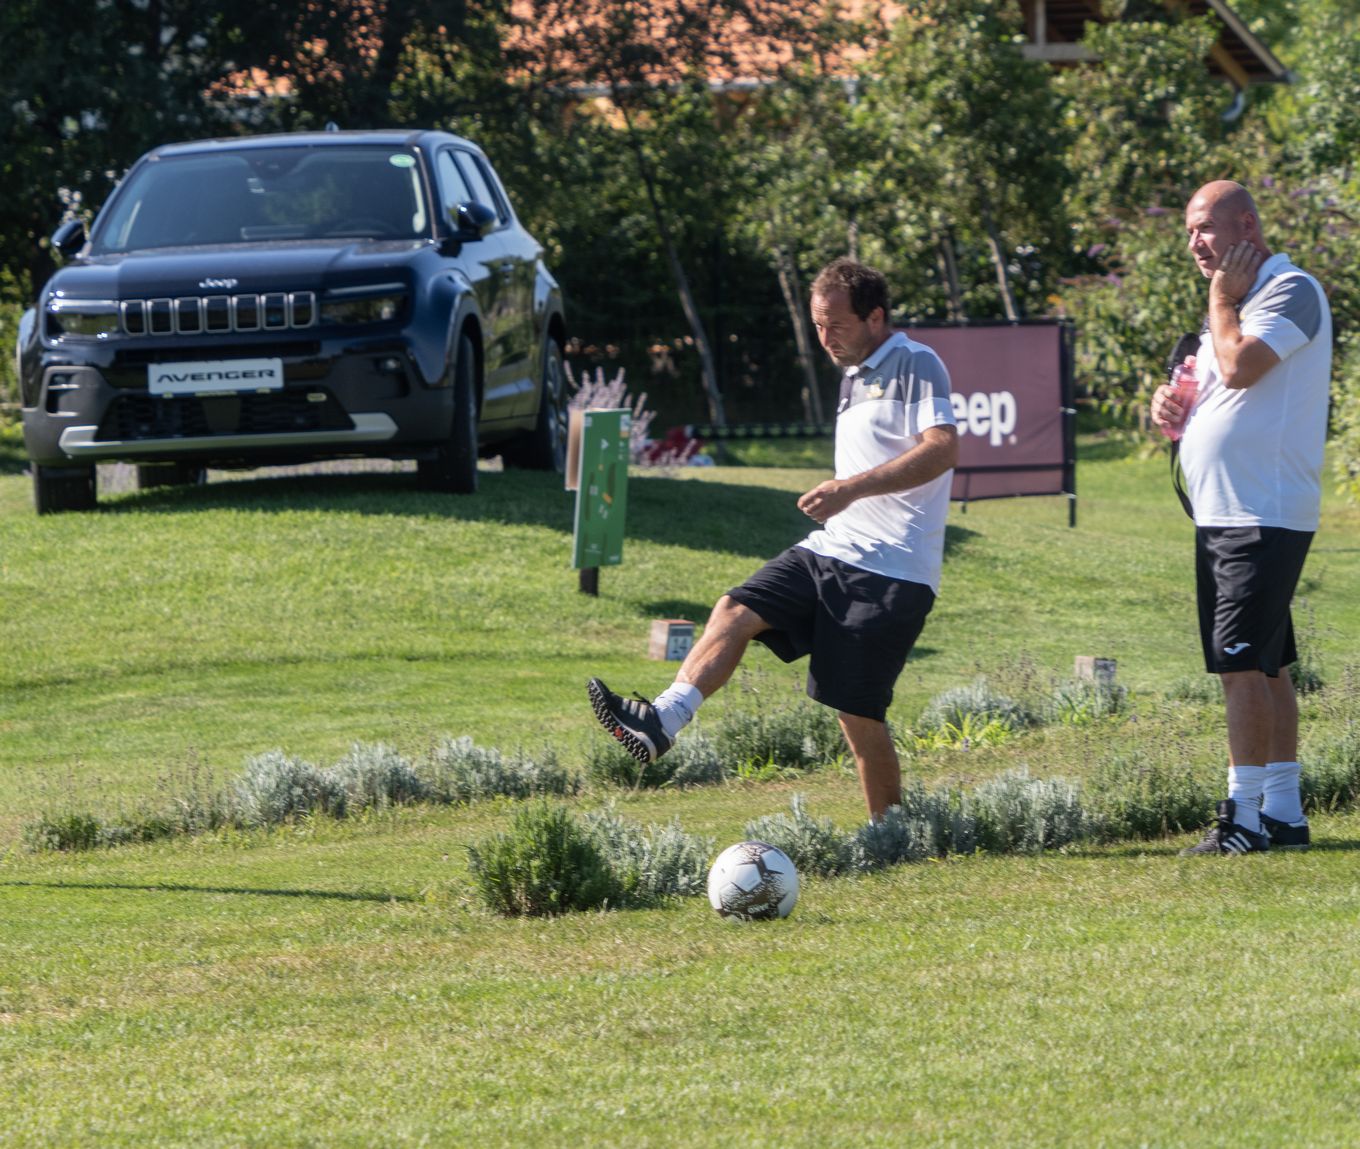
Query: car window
x=453 y=189
x=251 y=194
x=482 y=190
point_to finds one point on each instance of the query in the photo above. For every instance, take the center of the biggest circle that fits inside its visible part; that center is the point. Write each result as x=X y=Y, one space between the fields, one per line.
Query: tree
x=76 y=109
x=793 y=148
x=657 y=62
x=1318 y=118
x=964 y=146
x=1145 y=118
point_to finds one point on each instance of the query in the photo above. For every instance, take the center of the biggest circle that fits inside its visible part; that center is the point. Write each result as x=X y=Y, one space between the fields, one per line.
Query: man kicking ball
x=854 y=594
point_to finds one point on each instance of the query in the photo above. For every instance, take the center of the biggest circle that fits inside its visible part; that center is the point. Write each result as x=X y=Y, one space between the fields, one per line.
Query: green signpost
x=601 y=491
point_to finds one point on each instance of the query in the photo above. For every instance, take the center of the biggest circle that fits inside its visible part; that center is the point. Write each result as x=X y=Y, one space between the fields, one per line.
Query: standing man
x=1252 y=454
x=854 y=594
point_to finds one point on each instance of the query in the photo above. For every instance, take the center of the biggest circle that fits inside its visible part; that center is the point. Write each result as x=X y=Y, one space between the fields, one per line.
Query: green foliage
x=374 y=776
x=1331 y=773
x=927 y=824
x=651 y=862
x=815 y=846
x=694 y=760
x=459 y=771
x=1317 y=114
x=961 y=163
x=1148 y=794
x=547 y=863
x=1144 y=118
x=1080 y=701
x=1346 y=415
x=970 y=731
x=1200 y=689
x=277 y=788
x=1130 y=314
x=1017 y=814
x=1011 y=814
x=773 y=731
x=69 y=831
x=15 y=296
x=1148 y=293
x=975 y=707
x=753 y=740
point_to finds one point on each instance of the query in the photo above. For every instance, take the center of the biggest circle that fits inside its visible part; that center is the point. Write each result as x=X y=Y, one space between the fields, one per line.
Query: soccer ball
x=753 y=882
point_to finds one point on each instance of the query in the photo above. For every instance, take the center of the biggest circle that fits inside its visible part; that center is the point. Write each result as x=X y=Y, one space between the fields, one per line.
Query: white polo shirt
x=886 y=402
x=1253 y=457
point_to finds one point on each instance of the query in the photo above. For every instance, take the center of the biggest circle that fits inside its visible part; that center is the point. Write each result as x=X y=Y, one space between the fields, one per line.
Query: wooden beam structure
x=1056 y=28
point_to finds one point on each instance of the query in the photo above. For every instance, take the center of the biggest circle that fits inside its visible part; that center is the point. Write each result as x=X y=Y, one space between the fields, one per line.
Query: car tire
x=152 y=475
x=454 y=466
x=545 y=447
x=60 y=489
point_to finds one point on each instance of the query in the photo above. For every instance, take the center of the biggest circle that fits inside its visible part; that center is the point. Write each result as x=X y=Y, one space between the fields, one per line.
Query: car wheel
x=545 y=447
x=151 y=475
x=454 y=467
x=58 y=489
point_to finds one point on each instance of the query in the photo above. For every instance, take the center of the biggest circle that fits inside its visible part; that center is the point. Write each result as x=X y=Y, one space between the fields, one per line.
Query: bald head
x=1219 y=215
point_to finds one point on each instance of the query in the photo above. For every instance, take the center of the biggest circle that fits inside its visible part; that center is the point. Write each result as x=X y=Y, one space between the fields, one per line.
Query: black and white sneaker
x=1226 y=837
x=1286 y=835
x=633 y=721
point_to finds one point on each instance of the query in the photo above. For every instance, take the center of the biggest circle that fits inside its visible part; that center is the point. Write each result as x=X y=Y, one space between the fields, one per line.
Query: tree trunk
x=793 y=300
x=949 y=272
x=707 y=364
x=998 y=250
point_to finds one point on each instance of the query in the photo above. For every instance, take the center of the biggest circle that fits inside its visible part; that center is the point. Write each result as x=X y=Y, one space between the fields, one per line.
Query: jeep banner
x=1012 y=397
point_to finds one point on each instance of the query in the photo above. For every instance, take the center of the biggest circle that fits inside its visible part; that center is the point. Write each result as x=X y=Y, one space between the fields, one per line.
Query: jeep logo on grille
x=224 y=284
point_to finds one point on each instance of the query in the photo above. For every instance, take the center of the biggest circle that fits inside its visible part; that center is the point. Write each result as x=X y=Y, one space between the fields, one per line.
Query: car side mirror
x=69 y=238
x=472 y=221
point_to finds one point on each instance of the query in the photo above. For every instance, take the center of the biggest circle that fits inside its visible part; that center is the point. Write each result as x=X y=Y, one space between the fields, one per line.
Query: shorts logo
x=1236 y=648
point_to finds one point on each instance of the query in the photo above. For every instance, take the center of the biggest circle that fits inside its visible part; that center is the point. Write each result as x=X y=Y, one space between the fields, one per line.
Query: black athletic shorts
x=858 y=626
x=1245 y=579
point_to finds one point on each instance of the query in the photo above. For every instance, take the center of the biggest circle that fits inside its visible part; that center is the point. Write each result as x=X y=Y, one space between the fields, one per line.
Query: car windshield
x=254 y=194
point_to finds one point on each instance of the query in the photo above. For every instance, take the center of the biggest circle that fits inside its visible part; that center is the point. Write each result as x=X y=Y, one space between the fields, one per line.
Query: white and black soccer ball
x=753 y=882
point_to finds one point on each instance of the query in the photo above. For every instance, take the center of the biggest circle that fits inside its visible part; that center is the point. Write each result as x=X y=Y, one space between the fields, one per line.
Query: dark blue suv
x=287 y=298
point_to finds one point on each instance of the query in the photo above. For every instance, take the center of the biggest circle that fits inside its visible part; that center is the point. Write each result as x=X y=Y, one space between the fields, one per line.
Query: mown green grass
x=330 y=985
x=336 y=984
x=309 y=613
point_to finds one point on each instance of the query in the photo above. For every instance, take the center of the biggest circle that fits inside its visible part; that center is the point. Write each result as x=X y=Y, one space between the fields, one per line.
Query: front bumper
x=79 y=443
x=356 y=399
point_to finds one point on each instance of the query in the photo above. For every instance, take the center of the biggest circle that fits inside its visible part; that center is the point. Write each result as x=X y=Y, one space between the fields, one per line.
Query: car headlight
x=82 y=318
x=350 y=306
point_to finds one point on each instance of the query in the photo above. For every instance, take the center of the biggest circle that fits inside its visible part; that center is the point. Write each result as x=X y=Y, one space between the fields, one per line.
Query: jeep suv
x=285 y=298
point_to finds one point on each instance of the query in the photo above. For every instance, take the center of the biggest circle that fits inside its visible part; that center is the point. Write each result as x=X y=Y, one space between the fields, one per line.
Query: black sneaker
x=1226 y=837
x=633 y=721
x=1286 y=835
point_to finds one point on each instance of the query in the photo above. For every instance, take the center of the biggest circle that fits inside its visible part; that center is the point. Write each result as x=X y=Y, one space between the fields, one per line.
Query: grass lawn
x=337 y=984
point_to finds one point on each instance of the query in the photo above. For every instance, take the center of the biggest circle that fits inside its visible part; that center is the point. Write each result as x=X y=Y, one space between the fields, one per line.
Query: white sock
x=1244 y=788
x=1281 y=798
x=677 y=705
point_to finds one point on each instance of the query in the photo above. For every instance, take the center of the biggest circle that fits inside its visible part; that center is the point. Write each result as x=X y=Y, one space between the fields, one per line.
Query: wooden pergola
x=1055 y=29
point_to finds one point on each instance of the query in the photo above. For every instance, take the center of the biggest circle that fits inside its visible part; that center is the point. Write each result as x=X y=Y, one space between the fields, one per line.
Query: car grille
x=209 y=314
x=128 y=370
x=132 y=417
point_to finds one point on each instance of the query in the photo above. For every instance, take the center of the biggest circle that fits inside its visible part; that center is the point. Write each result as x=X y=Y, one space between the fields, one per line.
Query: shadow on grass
x=716 y=516
x=176 y=888
x=1166 y=847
